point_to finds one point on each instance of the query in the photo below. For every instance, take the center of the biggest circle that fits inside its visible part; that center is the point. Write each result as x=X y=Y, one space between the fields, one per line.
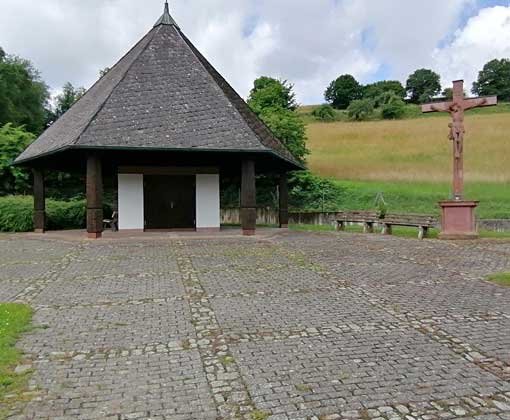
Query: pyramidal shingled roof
x=163 y=94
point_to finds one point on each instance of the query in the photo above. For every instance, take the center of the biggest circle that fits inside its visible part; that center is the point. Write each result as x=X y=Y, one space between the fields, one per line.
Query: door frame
x=171 y=174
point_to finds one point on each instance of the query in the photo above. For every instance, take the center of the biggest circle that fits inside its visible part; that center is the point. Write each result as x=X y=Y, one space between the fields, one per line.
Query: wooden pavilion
x=164 y=125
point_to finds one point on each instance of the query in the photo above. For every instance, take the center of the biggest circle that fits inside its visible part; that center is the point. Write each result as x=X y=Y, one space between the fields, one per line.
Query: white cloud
x=307 y=42
x=485 y=37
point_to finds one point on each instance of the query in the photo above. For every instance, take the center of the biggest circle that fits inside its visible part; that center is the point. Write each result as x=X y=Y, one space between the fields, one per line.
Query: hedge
x=16 y=214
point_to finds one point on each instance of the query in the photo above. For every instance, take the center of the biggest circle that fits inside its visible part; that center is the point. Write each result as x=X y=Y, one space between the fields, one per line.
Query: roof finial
x=166 y=19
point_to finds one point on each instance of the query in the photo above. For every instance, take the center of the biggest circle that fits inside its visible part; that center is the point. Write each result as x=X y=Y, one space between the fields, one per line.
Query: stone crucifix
x=456 y=109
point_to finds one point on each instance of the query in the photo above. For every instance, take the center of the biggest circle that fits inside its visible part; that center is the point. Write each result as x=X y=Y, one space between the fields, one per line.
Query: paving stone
x=144 y=386
x=290 y=325
x=105 y=327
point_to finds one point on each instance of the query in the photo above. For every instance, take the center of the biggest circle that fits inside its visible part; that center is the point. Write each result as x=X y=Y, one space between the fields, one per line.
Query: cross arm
x=436 y=107
x=478 y=102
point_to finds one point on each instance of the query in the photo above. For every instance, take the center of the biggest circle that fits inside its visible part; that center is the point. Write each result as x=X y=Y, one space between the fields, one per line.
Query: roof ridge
x=98 y=110
x=256 y=124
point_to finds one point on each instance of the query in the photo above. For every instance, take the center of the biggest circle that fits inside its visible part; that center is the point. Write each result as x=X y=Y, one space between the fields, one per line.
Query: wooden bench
x=422 y=221
x=368 y=218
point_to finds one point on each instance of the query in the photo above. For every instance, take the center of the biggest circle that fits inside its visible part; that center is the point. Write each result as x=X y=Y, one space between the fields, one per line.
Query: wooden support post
x=283 y=195
x=39 y=201
x=368 y=227
x=115 y=189
x=422 y=232
x=387 y=229
x=248 y=198
x=94 y=197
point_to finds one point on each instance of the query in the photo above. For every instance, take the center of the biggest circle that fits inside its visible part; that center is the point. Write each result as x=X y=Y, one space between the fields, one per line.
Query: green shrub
x=65 y=214
x=393 y=110
x=324 y=113
x=360 y=110
x=309 y=192
x=16 y=214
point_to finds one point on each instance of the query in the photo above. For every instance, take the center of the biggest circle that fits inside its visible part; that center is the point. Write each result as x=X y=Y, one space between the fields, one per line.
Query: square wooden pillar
x=94 y=197
x=39 y=201
x=283 y=197
x=248 y=198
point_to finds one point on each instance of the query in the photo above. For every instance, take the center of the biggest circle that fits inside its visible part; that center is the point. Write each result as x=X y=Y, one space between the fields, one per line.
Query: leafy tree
x=102 y=72
x=2 y=54
x=393 y=110
x=272 y=93
x=67 y=98
x=494 y=79
x=377 y=89
x=360 y=109
x=274 y=102
x=287 y=126
x=447 y=93
x=423 y=85
x=324 y=112
x=23 y=95
x=13 y=140
x=342 y=91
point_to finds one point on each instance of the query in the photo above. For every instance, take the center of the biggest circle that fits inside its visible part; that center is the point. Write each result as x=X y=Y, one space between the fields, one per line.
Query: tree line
x=26 y=110
x=390 y=96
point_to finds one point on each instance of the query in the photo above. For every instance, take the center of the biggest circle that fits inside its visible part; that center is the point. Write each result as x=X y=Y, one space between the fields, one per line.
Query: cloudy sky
x=308 y=42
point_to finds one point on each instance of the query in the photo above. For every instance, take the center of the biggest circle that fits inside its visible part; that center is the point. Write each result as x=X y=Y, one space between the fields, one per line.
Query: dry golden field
x=410 y=150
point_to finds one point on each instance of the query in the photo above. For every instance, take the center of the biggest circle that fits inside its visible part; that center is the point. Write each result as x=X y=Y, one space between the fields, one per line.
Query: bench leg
x=423 y=232
x=368 y=227
x=340 y=226
x=387 y=229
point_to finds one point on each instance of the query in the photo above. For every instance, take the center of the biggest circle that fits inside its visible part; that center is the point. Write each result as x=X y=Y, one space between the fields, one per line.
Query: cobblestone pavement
x=286 y=325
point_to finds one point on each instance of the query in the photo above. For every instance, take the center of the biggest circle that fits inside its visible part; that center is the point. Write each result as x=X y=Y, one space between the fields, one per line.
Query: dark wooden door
x=169 y=202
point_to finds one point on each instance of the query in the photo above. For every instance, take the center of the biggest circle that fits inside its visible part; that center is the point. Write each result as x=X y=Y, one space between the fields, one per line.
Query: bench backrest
x=357 y=216
x=414 y=219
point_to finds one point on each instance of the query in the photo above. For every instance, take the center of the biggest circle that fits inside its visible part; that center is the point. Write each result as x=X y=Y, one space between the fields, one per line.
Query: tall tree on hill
x=268 y=92
x=494 y=79
x=423 y=85
x=274 y=102
x=342 y=91
x=23 y=95
x=375 y=90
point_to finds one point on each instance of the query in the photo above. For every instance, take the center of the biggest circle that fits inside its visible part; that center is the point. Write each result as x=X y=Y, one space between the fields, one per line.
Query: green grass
x=503 y=279
x=14 y=320
x=400 y=231
x=420 y=197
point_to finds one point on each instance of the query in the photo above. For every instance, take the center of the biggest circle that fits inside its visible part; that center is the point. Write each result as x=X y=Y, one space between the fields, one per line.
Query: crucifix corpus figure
x=456 y=109
x=458 y=220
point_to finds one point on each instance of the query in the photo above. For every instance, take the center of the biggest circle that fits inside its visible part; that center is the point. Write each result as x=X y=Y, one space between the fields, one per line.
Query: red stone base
x=458 y=219
x=284 y=226
x=94 y=235
x=249 y=232
x=39 y=230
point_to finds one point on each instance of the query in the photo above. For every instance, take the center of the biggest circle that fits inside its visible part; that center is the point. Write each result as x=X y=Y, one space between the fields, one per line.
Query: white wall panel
x=208 y=201
x=131 y=201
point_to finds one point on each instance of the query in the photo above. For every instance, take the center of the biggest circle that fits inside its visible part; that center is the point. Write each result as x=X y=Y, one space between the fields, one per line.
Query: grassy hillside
x=410 y=150
x=410 y=160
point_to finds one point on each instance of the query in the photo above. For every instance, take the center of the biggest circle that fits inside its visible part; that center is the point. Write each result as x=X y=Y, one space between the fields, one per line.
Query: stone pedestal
x=458 y=220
